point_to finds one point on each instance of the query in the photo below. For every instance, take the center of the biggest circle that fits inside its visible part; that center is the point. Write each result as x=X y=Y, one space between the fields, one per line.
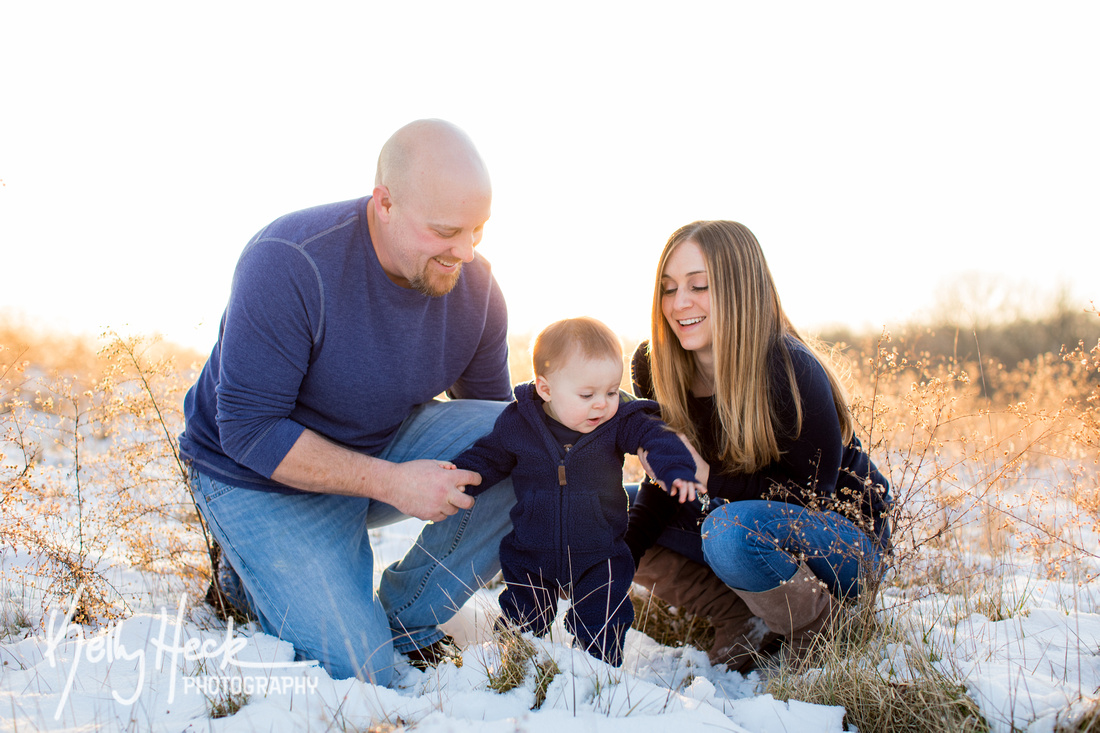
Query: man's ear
x=542 y=387
x=381 y=201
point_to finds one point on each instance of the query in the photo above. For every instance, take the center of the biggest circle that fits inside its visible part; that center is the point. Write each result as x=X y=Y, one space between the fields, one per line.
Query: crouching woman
x=796 y=514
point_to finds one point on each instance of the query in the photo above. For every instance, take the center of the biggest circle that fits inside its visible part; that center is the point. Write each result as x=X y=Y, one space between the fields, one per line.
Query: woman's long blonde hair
x=747 y=323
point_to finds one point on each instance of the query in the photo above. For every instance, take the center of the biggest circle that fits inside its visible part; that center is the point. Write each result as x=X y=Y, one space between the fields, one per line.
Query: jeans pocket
x=212 y=489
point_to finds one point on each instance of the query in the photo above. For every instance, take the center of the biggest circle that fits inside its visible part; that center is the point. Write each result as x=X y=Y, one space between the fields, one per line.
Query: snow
x=159 y=669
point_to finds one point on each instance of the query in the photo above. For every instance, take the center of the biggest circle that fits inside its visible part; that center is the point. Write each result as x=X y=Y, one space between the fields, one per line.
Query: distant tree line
x=1008 y=343
x=984 y=346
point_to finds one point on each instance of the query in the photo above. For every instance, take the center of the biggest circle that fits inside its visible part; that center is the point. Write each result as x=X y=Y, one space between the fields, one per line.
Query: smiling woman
x=685 y=304
x=796 y=510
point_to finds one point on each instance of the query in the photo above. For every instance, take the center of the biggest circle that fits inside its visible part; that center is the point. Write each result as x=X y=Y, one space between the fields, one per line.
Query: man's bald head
x=429 y=153
x=431 y=200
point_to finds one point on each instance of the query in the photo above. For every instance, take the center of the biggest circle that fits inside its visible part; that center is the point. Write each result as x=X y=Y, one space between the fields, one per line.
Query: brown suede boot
x=798 y=609
x=695 y=589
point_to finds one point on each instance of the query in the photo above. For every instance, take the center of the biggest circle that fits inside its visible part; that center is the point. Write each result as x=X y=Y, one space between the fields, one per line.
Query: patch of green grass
x=516 y=654
x=545 y=672
x=13 y=619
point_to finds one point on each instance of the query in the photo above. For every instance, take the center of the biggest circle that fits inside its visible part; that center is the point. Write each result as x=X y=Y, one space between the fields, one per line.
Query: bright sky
x=878 y=150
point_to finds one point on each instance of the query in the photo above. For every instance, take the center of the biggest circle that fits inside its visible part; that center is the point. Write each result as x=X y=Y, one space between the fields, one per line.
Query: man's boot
x=226 y=594
x=695 y=589
x=798 y=609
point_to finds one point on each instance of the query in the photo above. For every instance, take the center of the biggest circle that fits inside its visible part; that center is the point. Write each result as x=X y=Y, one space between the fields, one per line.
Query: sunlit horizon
x=889 y=159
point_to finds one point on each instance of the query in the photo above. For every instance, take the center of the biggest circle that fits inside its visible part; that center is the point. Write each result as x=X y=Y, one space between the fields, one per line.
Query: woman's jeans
x=307 y=568
x=758 y=545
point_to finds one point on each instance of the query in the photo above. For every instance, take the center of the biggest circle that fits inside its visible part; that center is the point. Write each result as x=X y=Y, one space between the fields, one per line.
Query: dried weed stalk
x=90 y=481
x=986 y=478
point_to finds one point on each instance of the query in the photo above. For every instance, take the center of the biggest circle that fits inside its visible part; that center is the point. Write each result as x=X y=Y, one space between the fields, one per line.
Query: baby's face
x=583 y=393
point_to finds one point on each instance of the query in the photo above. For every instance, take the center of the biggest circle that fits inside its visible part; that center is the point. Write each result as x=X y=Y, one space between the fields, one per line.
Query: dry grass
x=993 y=469
x=516 y=654
x=848 y=671
x=976 y=475
x=1087 y=720
x=227 y=704
x=875 y=704
x=385 y=727
x=993 y=466
x=90 y=482
x=667 y=625
x=518 y=660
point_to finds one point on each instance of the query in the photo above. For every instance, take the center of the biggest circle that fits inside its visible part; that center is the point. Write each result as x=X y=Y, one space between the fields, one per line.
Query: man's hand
x=425 y=489
x=432 y=490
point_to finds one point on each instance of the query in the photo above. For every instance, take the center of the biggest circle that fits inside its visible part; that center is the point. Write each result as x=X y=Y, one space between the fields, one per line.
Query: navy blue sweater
x=571 y=500
x=814 y=463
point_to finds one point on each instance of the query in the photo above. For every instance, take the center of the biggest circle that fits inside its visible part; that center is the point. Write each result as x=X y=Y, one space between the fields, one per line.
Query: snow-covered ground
x=161 y=669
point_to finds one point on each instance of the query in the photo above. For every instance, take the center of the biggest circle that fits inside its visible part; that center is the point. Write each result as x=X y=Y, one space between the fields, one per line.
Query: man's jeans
x=307 y=567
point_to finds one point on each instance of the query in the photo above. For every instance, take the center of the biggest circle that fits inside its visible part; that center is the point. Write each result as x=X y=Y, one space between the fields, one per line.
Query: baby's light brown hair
x=586 y=336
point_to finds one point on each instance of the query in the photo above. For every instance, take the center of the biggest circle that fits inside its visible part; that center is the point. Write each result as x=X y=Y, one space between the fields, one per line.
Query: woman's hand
x=702 y=468
x=685 y=490
x=642 y=453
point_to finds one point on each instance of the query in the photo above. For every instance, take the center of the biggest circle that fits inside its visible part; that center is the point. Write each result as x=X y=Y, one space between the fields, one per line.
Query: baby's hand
x=686 y=490
x=452 y=467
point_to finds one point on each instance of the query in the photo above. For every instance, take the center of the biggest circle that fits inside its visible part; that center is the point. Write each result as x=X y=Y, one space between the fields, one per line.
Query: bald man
x=315 y=419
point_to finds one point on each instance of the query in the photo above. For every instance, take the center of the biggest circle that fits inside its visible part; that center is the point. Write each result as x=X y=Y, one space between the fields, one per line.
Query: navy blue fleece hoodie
x=571 y=499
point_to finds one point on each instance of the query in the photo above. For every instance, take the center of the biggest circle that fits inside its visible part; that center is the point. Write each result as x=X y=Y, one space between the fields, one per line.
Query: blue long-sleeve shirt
x=316 y=336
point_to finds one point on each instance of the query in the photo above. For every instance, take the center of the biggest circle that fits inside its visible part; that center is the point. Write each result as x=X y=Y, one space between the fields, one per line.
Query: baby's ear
x=542 y=388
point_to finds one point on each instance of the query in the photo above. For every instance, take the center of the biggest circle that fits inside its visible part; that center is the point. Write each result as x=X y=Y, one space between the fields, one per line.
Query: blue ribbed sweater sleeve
x=274 y=316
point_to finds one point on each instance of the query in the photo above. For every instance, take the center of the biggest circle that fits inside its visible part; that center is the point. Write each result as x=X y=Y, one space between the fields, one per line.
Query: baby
x=563 y=440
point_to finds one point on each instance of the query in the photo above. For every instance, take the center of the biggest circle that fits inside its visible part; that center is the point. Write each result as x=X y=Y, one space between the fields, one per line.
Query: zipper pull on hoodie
x=561 y=466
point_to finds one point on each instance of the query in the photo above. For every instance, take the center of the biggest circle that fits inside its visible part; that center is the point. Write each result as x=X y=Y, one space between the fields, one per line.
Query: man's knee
x=442 y=430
